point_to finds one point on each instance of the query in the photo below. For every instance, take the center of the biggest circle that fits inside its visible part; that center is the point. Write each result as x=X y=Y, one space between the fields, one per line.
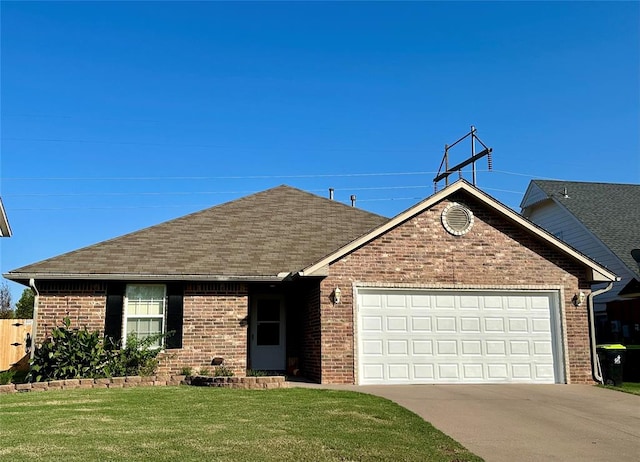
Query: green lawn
x=628 y=387
x=193 y=423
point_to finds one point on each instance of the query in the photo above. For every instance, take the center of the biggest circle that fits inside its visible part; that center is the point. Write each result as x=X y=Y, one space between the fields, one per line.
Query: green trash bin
x=612 y=359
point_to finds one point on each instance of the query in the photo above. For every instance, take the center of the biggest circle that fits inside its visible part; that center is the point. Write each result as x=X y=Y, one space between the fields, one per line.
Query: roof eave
x=20 y=277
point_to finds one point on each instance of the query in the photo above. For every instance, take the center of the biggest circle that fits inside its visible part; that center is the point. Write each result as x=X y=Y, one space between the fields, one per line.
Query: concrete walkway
x=526 y=422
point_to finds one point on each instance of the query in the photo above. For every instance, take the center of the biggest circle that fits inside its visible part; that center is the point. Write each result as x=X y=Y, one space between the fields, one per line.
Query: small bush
x=222 y=371
x=77 y=353
x=69 y=354
x=6 y=377
x=256 y=373
x=188 y=371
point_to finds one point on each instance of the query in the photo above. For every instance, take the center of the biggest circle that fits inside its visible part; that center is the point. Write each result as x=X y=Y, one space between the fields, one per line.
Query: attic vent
x=457 y=219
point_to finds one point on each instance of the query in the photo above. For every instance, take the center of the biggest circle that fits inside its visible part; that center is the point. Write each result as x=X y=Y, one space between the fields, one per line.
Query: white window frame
x=162 y=317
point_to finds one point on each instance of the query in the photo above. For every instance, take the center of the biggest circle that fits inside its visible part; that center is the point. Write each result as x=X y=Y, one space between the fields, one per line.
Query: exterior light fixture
x=336 y=295
x=578 y=299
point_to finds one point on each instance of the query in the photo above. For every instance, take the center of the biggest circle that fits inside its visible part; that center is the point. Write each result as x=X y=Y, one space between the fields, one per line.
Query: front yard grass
x=627 y=387
x=193 y=423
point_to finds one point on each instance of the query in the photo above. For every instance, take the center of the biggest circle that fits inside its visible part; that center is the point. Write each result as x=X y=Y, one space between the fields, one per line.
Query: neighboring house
x=601 y=220
x=458 y=288
x=5 y=229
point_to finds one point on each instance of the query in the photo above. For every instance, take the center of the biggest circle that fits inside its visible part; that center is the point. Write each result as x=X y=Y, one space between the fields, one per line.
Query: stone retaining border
x=245 y=383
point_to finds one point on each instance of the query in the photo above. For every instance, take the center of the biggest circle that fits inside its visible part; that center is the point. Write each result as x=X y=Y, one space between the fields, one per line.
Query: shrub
x=204 y=371
x=6 y=377
x=187 y=371
x=137 y=358
x=255 y=373
x=77 y=353
x=222 y=371
x=69 y=354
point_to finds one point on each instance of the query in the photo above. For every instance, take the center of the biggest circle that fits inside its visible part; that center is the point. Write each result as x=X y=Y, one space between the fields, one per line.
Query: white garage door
x=417 y=336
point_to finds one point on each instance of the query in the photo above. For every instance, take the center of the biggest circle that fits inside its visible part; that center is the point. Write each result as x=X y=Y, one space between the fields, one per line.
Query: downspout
x=595 y=362
x=32 y=284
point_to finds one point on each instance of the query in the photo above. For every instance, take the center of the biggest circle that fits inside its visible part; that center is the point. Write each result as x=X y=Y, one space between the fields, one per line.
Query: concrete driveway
x=527 y=422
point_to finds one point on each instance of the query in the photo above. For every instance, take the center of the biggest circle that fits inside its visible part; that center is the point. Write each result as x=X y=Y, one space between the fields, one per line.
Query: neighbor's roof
x=610 y=211
x=256 y=237
x=5 y=229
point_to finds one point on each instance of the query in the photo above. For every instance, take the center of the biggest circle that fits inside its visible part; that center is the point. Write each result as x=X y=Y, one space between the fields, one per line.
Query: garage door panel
x=446 y=347
x=448 y=372
x=518 y=325
x=371 y=323
x=496 y=347
x=421 y=324
x=418 y=336
x=519 y=347
x=471 y=347
x=473 y=371
x=445 y=324
x=398 y=347
x=470 y=324
x=494 y=325
x=422 y=347
x=540 y=325
x=423 y=372
x=372 y=347
x=397 y=323
x=420 y=301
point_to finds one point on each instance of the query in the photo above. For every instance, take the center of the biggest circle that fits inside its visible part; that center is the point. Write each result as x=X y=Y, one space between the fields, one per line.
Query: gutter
x=32 y=284
x=595 y=362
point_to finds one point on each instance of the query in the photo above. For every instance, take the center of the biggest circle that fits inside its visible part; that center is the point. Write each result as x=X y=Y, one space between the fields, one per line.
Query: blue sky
x=116 y=116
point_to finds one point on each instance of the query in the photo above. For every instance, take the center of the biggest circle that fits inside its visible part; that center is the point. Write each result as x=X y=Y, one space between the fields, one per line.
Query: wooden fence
x=15 y=338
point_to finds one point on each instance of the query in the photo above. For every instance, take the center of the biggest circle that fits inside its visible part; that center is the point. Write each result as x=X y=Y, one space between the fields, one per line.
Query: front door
x=268 y=333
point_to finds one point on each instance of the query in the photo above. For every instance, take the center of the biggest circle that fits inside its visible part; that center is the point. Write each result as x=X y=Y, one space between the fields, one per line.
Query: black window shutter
x=174 y=316
x=113 y=314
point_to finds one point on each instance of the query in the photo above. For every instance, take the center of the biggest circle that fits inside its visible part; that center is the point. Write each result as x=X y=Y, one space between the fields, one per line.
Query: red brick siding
x=215 y=320
x=421 y=252
x=83 y=302
x=311 y=365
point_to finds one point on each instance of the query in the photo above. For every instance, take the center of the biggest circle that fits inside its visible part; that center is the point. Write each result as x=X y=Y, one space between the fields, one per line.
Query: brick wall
x=494 y=253
x=311 y=364
x=83 y=302
x=215 y=320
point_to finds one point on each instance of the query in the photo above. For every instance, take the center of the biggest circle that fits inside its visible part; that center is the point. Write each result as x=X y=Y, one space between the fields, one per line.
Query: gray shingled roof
x=610 y=211
x=258 y=236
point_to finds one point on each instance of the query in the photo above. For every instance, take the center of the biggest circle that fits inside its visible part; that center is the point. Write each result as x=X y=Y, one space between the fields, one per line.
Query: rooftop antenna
x=444 y=175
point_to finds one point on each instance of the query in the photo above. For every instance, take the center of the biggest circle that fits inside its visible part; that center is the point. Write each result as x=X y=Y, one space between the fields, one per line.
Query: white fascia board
x=140 y=277
x=5 y=229
x=598 y=271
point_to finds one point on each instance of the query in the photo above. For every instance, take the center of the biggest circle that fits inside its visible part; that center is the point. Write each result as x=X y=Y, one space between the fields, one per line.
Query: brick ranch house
x=458 y=288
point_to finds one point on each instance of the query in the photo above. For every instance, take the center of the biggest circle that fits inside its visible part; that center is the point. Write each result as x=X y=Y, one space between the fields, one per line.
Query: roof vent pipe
x=330 y=194
x=353 y=200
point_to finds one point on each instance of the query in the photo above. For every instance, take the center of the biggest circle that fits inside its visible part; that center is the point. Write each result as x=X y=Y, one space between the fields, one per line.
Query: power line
x=187 y=193
x=235 y=177
x=204 y=146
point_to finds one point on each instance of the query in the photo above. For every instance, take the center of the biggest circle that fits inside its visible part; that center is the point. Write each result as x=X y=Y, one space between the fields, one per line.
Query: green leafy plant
x=204 y=371
x=222 y=371
x=69 y=354
x=77 y=353
x=188 y=371
x=6 y=377
x=138 y=357
x=256 y=373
